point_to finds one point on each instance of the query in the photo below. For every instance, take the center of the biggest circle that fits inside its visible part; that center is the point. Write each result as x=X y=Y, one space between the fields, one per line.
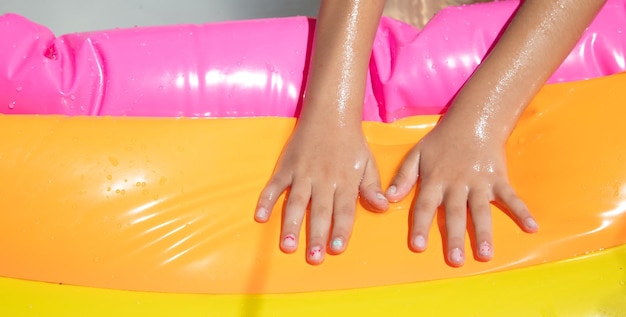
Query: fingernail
x=380 y=196
x=484 y=249
x=419 y=242
x=261 y=213
x=456 y=256
x=531 y=223
x=289 y=241
x=315 y=254
x=337 y=244
x=392 y=190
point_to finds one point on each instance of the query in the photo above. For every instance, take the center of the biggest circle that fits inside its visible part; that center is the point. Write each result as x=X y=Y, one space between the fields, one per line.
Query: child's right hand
x=326 y=164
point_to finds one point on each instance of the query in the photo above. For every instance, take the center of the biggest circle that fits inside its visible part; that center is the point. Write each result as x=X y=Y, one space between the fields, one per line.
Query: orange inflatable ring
x=137 y=215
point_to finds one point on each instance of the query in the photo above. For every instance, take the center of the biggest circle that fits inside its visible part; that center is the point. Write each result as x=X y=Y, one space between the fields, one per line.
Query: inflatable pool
x=130 y=168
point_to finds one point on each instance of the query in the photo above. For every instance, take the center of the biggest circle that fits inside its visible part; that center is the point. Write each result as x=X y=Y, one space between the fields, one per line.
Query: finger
x=274 y=188
x=405 y=178
x=425 y=207
x=370 y=188
x=319 y=223
x=480 y=209
x=295 y=209
x=455 y=202
x=507 y=196
x=343 y=219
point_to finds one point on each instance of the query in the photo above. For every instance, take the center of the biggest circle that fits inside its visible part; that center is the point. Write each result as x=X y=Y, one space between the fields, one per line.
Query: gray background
x=66 y=16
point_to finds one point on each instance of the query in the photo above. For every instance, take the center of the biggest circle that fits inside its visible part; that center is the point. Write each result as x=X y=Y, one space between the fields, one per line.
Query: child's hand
x=459 y=171
x=326 y=165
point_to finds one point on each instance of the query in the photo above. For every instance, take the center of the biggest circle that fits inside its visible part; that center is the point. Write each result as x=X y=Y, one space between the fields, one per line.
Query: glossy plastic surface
x=257 y=68
x=165 y=204
x=589 y=285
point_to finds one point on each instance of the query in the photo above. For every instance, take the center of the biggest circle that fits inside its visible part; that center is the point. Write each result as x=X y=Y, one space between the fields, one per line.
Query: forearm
x=537 y=40
x=344 y=35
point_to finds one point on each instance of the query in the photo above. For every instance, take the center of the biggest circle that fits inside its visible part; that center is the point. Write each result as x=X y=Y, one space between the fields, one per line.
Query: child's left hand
x=459 y=171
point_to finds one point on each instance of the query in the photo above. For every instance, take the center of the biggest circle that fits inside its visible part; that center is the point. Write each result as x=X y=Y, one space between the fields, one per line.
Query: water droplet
x=72 y=97
x=109 y=177
x=12 y=105
x=138 y=184
x=18 y=89
x=113 y=161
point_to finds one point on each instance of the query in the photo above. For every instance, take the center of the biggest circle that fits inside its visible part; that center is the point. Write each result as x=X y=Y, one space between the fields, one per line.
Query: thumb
x=405 y=178
x=370 y=187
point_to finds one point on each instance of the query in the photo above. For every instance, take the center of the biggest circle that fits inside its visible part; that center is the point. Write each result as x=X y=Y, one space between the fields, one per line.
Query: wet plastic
x=590 y=285
x=257 y=68
x=166 y=204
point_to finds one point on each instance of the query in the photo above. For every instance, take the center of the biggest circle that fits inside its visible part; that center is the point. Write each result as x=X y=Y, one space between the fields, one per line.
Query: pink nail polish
x=456 y=256
x=261 y=213
x=419 y=242
x=484 y=249
x=315 y=254
x=289 y=241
